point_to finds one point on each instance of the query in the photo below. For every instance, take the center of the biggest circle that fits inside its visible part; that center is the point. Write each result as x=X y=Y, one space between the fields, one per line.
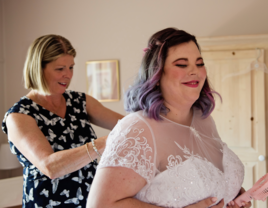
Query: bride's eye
x=200 y=65
x=181 y=65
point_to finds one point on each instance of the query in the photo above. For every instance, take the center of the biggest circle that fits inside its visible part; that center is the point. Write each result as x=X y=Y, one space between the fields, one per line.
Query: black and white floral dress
x=74 y=130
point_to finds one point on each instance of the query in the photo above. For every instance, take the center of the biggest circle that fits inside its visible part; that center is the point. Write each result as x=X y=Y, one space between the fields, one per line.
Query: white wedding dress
x=182 y=165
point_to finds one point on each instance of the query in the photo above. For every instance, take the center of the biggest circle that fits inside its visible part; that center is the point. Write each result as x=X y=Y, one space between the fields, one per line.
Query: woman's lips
x=191 y=83
x=63 y=84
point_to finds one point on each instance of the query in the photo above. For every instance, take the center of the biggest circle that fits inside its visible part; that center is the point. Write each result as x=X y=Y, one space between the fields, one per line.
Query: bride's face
x=183 y=75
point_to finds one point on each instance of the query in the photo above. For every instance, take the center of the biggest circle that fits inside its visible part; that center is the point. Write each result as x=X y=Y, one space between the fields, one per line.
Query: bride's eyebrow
x=179 y=59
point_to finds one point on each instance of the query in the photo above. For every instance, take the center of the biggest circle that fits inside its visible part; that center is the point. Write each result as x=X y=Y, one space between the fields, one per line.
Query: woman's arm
x=115 y=187
x=24 y=133
x=101 y=116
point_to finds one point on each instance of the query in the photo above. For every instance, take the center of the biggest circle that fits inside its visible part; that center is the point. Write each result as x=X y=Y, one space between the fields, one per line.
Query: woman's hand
x=24 y=133
x=101 y=143
x=232 y=204
x=206 y=203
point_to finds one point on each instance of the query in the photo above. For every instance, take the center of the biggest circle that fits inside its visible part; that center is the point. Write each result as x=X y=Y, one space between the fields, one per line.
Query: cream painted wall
x=2 y=91
x=115 y=29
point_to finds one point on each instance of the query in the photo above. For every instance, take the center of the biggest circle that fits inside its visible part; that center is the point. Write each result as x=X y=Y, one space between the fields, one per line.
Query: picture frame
x=103 y=80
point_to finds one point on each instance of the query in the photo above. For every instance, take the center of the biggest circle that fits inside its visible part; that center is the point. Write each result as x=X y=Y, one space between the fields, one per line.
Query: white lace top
x=182 y=165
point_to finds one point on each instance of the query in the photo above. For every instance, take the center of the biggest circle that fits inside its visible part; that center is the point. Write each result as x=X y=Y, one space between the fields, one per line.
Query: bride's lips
x=193 y=83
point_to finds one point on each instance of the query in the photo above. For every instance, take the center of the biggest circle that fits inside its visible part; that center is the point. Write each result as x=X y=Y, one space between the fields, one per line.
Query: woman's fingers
x=219 y=205
x=100 y=143
x=242 y=190
x=247 y=204
x=232 y=204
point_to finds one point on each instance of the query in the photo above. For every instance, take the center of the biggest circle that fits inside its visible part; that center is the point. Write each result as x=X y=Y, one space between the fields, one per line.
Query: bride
x=167 y=152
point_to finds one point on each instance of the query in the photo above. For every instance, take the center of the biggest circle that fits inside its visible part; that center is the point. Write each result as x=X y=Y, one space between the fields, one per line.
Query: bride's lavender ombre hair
x=145 y=94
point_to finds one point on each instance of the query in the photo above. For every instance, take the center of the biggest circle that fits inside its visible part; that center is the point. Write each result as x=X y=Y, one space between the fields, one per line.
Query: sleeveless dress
x=181 y=164
x=74 y=130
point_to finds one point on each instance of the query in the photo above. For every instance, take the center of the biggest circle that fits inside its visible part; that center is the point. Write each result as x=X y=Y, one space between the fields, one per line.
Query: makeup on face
x=184 y=73
x=59 y=73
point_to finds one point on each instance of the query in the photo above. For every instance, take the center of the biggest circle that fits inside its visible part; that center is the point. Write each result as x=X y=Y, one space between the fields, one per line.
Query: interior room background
x=111 y=29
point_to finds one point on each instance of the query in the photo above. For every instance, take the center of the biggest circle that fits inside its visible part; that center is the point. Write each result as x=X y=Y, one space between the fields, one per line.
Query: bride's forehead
x=187 y=48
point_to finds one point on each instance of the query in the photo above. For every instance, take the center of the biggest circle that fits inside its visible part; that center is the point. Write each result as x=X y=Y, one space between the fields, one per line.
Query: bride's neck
x=180 y=115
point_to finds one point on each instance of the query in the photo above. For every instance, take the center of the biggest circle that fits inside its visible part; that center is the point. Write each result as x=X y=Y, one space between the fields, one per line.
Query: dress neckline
x=221 y=172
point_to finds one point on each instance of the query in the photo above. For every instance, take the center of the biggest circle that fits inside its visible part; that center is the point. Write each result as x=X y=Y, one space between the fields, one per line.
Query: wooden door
x=240 y=118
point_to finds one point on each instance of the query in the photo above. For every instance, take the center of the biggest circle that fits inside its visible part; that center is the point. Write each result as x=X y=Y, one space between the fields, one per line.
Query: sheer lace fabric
x=182 y=165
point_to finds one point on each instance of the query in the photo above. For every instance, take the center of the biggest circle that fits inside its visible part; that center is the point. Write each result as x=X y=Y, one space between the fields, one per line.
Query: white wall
x=115 y=29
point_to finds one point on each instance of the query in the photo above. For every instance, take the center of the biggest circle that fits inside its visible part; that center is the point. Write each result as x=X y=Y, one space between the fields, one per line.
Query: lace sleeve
x=131 y=145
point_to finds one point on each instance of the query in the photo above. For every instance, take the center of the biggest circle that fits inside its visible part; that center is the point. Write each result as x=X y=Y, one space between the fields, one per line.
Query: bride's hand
x=232 y=204
x=206 y=203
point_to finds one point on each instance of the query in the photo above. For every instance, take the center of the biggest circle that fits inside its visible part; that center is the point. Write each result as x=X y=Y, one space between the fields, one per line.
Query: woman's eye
x=72 y=68
x=200 y=64
x=181 y=65
x=60 y=69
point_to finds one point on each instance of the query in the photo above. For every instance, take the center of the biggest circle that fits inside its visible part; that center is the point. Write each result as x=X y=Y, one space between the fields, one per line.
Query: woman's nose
x=193 y=70
x=68 y=73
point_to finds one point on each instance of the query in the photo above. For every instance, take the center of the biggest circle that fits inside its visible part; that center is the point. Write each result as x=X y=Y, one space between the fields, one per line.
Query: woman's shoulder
x=198 y=116
x=24 y=106
x=129 y=119
x=136 y=122
x=74 y=95
x=203 y=124
x=77 y=100
x=129 y=144
x=139 y=116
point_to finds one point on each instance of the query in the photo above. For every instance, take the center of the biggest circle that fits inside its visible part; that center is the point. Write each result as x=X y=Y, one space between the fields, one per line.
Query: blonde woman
x=49 y=129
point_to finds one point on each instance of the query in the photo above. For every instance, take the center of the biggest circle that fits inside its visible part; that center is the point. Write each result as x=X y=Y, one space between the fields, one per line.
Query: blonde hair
x=42 y=51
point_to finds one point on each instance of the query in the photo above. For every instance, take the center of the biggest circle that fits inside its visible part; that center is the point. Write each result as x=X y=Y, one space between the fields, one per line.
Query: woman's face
x=183 y=75
x=58 y=74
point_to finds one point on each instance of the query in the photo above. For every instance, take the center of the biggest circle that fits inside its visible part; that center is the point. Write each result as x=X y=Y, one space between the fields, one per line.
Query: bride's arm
x=115 y=187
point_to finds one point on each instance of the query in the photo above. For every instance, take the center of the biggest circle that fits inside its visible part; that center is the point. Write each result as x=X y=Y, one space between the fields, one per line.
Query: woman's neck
x=180 y=114
x=53 y=103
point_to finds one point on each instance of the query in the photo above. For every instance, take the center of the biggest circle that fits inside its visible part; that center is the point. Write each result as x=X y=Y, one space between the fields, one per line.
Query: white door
x=240 y=118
